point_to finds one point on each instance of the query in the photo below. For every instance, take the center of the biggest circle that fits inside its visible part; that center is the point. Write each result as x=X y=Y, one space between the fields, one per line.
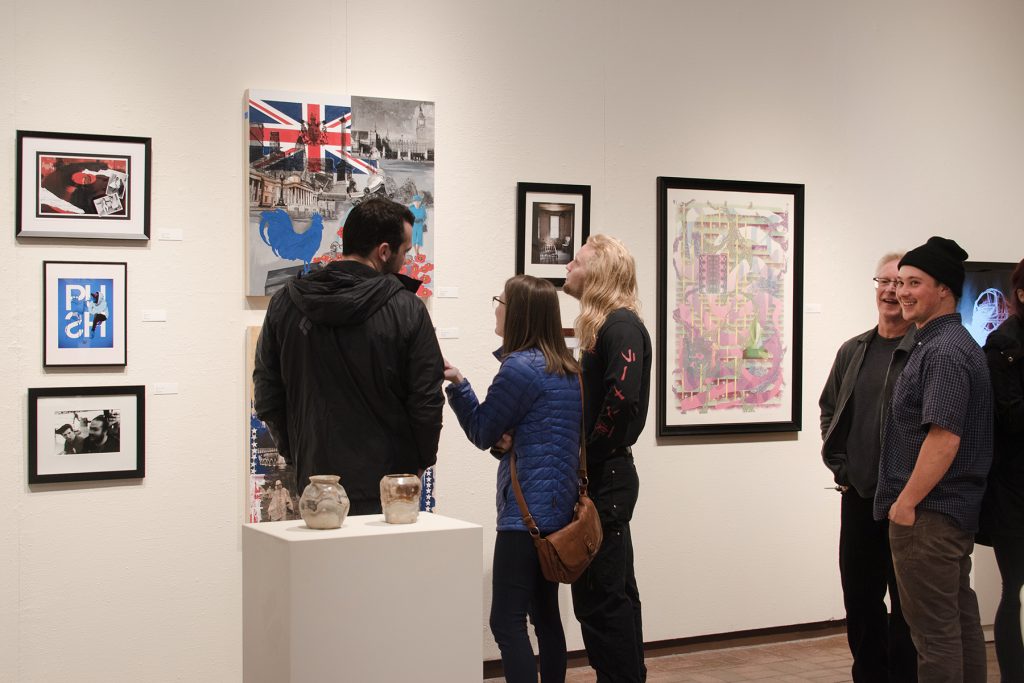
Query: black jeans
x=519 y=589
x=1009 y=648
x=606 y=599
x=879 y=641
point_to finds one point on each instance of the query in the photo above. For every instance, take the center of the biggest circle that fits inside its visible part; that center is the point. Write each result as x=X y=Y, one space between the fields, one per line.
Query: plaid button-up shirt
x=944 y=383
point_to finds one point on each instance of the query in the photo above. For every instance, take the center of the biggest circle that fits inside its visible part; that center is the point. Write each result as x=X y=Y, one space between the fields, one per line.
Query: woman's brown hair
x=533 y=321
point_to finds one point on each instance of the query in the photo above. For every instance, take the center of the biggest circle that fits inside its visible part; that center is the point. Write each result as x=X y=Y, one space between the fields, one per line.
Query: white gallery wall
x=902 y=118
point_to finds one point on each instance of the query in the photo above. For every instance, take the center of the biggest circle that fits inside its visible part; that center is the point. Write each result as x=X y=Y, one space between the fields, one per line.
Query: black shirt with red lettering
x=616 y=385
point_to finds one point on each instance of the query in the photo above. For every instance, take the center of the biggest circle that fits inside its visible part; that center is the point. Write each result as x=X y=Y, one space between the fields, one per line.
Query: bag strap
x=528 y=520
x=584 y=480
x=531 y=524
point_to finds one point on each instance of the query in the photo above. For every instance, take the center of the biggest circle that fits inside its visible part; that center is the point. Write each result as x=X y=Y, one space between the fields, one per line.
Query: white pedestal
x=370 y=602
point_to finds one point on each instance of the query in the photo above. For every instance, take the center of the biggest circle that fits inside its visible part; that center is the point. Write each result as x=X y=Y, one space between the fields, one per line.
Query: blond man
x=616 y=364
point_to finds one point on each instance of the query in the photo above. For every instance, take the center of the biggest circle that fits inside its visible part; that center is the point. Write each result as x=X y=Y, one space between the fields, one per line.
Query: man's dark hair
x=374 y=222
x=103 y=421
x=63 y=428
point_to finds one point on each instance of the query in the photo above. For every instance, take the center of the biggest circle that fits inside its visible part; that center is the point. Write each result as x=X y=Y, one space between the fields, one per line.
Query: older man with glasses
x=852 y=405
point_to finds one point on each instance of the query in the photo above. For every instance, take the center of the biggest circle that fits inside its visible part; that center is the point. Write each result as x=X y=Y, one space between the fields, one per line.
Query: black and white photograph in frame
x=82 y=186
x=86 y=433
x=552 y=223
x=84 y=313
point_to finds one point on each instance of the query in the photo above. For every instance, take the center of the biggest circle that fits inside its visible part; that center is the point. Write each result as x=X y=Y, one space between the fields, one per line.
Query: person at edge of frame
x=1002 y=510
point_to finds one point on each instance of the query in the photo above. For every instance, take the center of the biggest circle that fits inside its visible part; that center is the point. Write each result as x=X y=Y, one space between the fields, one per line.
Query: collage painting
x=312 y=158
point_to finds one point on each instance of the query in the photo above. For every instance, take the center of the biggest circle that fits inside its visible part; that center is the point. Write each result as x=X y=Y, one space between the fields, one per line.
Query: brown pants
x=932 y=559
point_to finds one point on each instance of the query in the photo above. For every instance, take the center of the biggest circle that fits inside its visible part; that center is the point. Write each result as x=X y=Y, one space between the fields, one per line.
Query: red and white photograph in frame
x=72 y=185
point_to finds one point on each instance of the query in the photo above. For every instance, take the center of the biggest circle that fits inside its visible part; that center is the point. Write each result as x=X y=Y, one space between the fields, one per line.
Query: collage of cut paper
x=311 y=158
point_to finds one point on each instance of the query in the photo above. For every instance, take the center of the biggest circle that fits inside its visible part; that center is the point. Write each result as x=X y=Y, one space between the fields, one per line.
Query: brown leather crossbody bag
x=565 y=554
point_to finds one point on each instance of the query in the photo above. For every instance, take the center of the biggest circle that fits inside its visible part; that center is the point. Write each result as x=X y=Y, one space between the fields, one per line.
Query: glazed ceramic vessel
x=324 y=503
x=400 y=498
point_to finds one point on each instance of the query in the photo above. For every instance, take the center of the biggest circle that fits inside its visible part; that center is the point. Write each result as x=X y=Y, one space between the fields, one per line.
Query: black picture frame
x=730 y=306
x=74 y=294
x=53 y=409
x=565 y=208
x=110 y=175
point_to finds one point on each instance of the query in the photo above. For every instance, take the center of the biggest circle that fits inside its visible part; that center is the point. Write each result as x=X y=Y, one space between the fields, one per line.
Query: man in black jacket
x=348 y=370
x=852 y=405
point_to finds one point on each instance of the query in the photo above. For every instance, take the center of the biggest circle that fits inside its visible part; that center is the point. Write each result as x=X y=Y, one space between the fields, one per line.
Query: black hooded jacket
x=348 y=377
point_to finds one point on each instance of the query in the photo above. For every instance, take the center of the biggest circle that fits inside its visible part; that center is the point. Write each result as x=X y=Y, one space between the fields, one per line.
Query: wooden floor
x=815 y=659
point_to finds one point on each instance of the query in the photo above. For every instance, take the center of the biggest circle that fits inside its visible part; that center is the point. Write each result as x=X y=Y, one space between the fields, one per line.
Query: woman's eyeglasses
x=497 y=300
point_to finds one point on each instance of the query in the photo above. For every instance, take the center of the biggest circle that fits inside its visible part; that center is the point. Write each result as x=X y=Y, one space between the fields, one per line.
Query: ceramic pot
x=324 y=503
x=400 y=498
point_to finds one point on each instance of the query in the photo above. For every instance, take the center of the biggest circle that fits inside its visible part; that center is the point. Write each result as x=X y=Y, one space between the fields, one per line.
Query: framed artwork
x=86 y=434
x=985 y=302
x=84 y=311
x=82 y=186
x=552 y=223
x=730 y=301
x=272 y=493
x=312 y=158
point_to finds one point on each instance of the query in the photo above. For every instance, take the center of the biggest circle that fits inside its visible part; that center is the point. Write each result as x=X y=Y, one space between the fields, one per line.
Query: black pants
x=879 y=641
x=520 y=590
x=606 y=599
x=1009 y=648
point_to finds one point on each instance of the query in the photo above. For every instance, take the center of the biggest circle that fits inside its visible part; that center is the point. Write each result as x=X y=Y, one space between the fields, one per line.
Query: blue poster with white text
x=84 y=313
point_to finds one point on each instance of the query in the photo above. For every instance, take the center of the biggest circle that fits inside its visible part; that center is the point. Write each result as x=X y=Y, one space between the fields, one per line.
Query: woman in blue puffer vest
x=533 y=407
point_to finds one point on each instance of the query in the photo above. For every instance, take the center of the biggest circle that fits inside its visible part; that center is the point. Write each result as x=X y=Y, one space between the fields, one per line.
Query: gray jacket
x=835 y=420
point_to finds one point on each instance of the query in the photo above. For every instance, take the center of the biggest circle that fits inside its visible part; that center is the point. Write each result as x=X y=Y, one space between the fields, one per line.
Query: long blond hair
x=609 y=284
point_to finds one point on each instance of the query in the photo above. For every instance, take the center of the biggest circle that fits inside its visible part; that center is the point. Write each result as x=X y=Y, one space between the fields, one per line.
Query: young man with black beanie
x=936 y=453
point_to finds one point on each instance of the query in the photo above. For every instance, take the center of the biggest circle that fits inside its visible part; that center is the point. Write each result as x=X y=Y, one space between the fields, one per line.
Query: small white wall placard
x=171 y=235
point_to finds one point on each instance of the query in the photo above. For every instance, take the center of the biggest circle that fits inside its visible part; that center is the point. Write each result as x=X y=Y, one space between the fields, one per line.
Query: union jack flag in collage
x=285 y=135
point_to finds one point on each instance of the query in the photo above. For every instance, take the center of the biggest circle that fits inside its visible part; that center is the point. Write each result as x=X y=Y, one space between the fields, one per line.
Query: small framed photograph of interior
x=72 y=185
x=84 y=310
x=86 y=434
x=552 y=223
